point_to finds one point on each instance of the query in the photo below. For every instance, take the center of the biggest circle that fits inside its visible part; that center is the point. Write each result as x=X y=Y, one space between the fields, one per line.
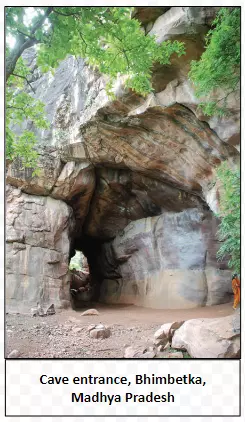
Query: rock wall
x=137 y=170
x=37 y=250
x=166 y=262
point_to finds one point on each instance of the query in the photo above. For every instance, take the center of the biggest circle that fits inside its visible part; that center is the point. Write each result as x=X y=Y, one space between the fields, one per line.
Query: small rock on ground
x=50 y=310
x=90 y=312
x=100 y=332
x=77 y=329
x=139 y=352
x=14 y=354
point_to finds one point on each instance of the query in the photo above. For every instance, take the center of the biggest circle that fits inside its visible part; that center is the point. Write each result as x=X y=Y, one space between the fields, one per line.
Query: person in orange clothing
x=236 y=290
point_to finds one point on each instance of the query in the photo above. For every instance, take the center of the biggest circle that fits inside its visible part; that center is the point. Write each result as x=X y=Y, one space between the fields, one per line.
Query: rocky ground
x=66 y=335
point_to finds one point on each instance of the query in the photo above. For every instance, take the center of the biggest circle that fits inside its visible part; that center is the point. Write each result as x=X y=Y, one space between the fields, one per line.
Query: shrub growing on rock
x=229 y=228
x=219 y=66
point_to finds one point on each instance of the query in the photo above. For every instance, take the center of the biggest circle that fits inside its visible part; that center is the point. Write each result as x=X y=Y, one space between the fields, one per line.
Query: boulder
x=160 y=337
x=208 y=338
x=182 y=21
x=164 y=334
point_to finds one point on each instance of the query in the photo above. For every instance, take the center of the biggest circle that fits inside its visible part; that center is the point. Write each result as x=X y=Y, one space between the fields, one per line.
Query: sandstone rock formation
x=37 y=250
x=165 y=333
x=167 y=261
x=130 y=182
x=208 y=338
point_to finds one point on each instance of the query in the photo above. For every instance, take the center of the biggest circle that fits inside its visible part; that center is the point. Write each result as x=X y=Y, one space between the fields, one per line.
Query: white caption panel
x=199 y=387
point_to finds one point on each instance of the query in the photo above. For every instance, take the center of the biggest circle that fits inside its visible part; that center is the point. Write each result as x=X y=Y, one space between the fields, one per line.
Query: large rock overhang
x=131 y=161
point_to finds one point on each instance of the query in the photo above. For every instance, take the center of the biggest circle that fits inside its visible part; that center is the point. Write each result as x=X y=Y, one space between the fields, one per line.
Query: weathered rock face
x=38 y=239
x=49 y=167
x=208 y=338
x=165 y=262
x=168 y=144
x=122 y=196
x=136 y=170
x=189 y=25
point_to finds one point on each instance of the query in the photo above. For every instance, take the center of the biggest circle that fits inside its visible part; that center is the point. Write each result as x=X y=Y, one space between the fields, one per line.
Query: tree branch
x=26 y=35
x=15 y=54
x=39 y=23
x=86 y=45
x=23 y=77
x=22 y=44
x=64 y=14
x=15 y=108
x=126 y=57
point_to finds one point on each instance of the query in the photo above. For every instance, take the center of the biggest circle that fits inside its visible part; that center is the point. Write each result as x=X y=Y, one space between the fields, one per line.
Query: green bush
x=219 y=66
x=74 y=266
x=229 y=228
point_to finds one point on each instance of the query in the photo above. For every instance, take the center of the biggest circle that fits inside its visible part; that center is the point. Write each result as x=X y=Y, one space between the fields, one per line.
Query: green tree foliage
x=107 y=37
x=219 y=66
x=229 y=228
x=20 y=108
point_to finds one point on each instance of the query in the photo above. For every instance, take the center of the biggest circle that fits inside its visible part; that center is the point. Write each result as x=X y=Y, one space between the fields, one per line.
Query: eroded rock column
x=38 y=234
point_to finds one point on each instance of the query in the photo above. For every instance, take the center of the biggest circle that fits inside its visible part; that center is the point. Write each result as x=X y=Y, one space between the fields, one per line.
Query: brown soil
x=65 y=334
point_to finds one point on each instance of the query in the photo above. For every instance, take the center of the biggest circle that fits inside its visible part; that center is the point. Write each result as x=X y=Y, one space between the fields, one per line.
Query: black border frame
x=109 y=359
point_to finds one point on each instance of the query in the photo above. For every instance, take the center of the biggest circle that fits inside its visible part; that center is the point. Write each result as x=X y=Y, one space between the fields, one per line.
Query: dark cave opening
x=135 y=232
x=85 y=282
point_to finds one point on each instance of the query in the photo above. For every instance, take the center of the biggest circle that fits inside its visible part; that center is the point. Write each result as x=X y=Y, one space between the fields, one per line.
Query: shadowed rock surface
x=167 y=261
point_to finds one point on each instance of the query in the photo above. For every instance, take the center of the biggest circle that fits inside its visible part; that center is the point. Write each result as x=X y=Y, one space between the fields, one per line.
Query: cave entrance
x=80 y=282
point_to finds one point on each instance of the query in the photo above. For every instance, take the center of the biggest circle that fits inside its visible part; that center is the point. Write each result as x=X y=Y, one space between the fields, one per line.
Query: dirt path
x=65 y=335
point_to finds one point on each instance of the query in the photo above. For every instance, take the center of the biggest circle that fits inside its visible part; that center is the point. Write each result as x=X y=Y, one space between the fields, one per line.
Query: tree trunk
x=23 y=43
x=15 y=54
